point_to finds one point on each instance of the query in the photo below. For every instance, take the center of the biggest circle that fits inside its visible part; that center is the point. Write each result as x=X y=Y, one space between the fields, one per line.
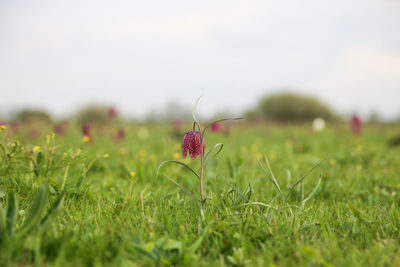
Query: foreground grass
x=105 y=206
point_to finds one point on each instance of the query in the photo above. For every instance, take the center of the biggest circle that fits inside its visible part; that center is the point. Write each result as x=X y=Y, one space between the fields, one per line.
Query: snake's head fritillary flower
x=86 y=129
x=216 y=127
x=176 y=124
x=356 y=124
x=192 y=142
x=112 y=113
x=59 y=129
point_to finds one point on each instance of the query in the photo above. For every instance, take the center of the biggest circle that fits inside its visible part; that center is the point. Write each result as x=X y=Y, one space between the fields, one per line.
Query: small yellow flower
x=86 y=139
x=332 y=162
x=106 y=156
x=132 y=174
x=359 y=148
x=78 y=152
x=122 y=151
x=36 y=149
x=289 y=143
x=254 y=148
x=176 y=155
x=259 y=156
x=143 y=153
x=300 y=147
x=3 y=127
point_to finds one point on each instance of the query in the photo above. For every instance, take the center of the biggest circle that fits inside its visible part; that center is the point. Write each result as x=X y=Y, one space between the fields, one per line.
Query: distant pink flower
x=216 y=127
x=176 y=124
x=119 y=135
x=59 y=129
x=34 y=133
x=15 y=126
x=2 y=123
x=112 y=113
x=86 y=129
x=192 y=142
x=356 y=124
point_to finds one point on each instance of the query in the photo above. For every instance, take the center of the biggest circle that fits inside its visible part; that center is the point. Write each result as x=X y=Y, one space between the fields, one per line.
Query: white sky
x=138 y=55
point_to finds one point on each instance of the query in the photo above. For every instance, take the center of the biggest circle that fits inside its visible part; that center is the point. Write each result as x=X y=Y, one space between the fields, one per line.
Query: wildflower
x=34 y=133
x=86 y=129
x=254 y=148
x=143 y=153
x=3 y=127
x=176 y=155
x=86 y=139
x=216 y=127
x=176 y=124
x=112 y=113
x=106 y=156
x=332 y=162
x=36 y=149
x=132 y=174
x=359 y=148
x=356 y=124
x=192 y=142
x=122 y=151
x=289 y=143
x=318 y=124
x=59 y=129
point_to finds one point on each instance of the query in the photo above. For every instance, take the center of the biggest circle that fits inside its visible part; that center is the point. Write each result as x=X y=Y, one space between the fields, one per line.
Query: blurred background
x=151 y=60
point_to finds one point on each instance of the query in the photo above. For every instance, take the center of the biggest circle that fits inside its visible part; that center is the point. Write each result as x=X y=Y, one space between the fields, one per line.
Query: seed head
x=192 y=142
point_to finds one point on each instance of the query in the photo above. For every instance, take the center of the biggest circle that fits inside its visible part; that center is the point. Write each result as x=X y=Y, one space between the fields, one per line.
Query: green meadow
x=275 y=195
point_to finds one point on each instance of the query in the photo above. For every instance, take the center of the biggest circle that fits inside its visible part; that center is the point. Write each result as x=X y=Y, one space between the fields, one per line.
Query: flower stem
x=201 y=172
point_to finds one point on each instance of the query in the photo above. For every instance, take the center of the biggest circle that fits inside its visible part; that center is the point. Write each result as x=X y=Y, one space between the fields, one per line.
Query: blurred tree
x=32 y=115
x=93 y=113
x=291 y=107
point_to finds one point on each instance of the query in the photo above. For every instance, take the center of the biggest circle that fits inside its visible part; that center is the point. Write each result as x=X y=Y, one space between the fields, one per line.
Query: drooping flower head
x=192 y=142
x=216 y=127
x=356 y=124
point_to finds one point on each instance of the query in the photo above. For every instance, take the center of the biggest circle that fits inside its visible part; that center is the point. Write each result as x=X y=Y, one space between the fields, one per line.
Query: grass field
x=64 y=202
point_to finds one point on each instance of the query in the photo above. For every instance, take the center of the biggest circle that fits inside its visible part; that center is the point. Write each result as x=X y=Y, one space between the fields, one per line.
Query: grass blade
x=36 y=210
x=11 y=216
x=303 y=177
x=56 y=206
x=312 y=193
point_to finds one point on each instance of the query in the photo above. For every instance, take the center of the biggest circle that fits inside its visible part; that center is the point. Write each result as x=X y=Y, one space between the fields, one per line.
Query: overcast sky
x=139 y=55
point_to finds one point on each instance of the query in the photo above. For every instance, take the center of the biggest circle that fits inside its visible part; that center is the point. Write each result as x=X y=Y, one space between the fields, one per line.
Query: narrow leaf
x=215 y=121
x=177 y=162
x=194 y=110
x=219 y=146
